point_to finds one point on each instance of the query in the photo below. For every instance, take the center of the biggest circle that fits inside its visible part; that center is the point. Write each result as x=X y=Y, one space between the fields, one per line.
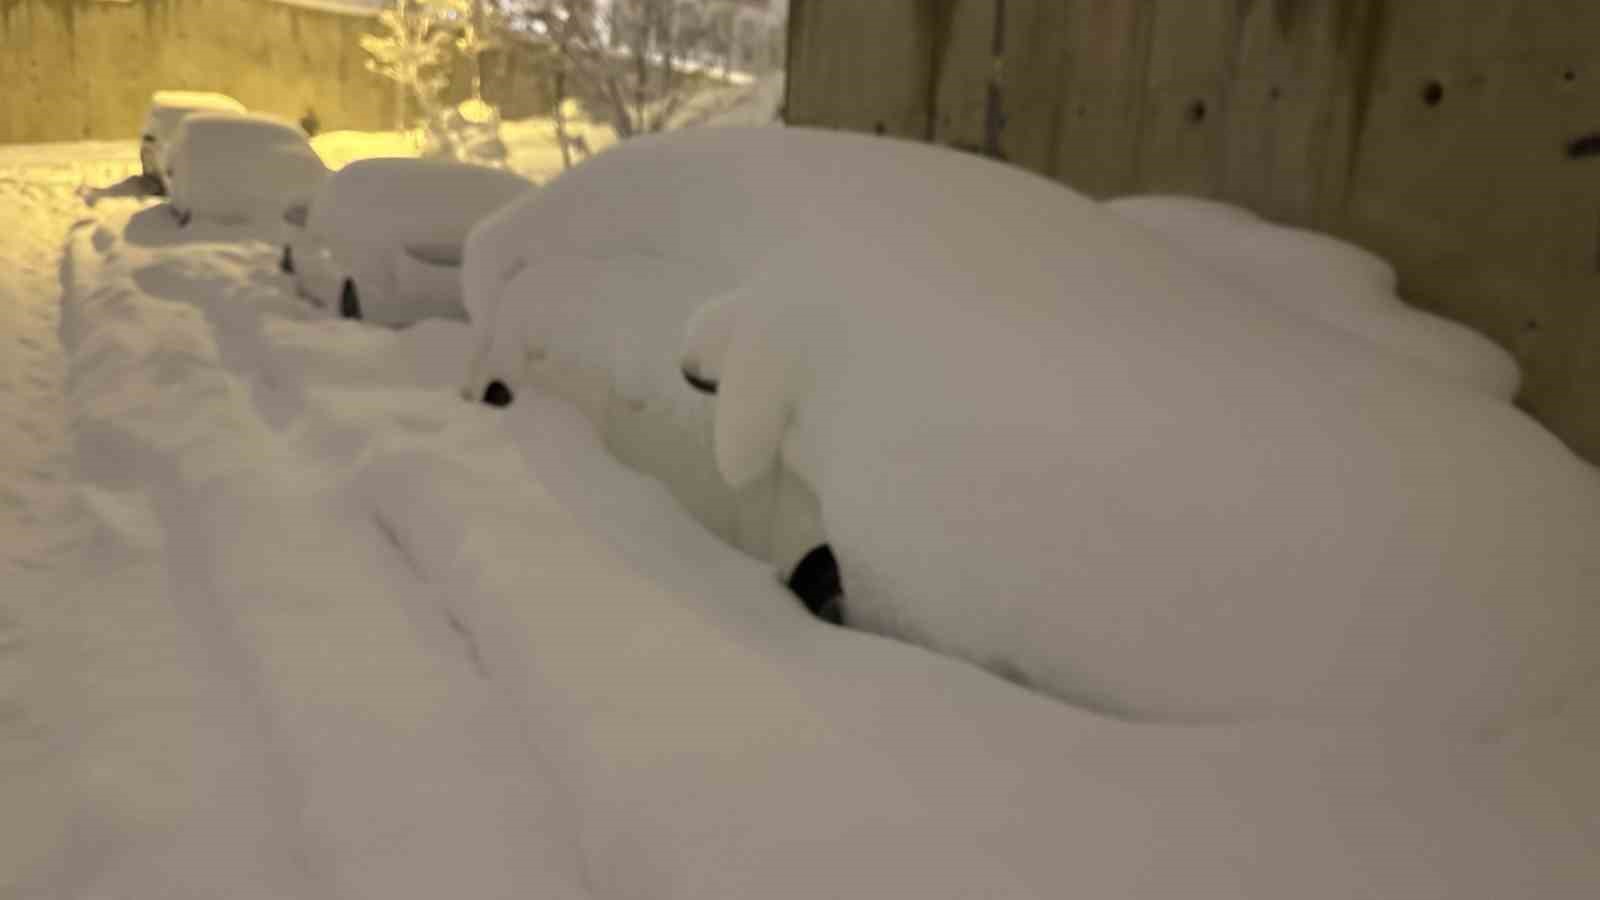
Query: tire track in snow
x=38 y=528
x=259 y=841
x=355 y=453
x=411 y=780
x=280 y=397
x=469 y=641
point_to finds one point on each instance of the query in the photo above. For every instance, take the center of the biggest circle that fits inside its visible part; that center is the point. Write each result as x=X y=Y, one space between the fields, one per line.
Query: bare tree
x=412 y=49
x=477 y=26
x=625 y=57
x=408 y=50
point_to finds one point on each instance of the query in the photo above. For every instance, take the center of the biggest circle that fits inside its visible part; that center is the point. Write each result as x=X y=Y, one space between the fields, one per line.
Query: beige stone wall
x=74 y=69
x=1459 y=138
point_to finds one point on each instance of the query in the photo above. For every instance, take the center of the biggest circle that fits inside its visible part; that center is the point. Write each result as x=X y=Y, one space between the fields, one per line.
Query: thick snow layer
x=613 y=205
x=364 y=216
x=1328 y=279
x=603 y=330
x=718 y=743
x=232 y=168
x=1068 y=796
x=597 y=273
x=365 y=640
x=168 y=109
x=1047 y=443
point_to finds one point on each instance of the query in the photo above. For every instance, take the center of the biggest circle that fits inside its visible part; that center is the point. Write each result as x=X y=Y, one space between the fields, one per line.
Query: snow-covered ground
x=40 y=528
x=299 y=622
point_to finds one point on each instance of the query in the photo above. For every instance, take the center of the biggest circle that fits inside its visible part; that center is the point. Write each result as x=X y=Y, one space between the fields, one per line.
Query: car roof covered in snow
x=247 y=129
x=410 y=200
x=168 y=109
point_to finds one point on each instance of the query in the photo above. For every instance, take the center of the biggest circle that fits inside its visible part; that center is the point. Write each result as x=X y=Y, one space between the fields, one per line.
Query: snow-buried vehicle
x=381 y=238
x=234 y=168
x=1045 y=440
x=167 y=111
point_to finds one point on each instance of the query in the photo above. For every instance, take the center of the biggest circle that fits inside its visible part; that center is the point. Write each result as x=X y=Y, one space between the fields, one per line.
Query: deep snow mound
x=1329 y=280
x=1047 y=442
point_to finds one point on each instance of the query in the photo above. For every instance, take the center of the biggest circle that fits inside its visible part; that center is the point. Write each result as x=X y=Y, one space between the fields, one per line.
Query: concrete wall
x=1460 y=139
x=73 y=69
x=76 y=69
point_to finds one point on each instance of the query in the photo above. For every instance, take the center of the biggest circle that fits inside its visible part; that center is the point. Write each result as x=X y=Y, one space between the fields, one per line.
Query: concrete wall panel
x=77 y=69
x=74 y=69
x=883 y=88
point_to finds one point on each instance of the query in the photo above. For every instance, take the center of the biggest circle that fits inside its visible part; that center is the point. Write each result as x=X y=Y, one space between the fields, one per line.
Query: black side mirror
x=703 y=385
x=497 y=394
x=815 y=580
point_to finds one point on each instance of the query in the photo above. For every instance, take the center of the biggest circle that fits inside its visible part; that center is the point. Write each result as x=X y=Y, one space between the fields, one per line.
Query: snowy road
x=40 y=204
x=39 y=194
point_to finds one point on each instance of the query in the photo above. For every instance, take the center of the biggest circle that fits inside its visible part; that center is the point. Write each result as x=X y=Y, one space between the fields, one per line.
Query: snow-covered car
x=233 y=168
x=1044 y=440
x=582 y=289
x=382 y=238
x=1325 y=278
x=168 y=109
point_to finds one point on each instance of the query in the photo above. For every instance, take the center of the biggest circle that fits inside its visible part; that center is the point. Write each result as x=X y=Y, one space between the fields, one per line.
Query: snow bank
x=719 y=743
x=1330 y=280
x=233 y=168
